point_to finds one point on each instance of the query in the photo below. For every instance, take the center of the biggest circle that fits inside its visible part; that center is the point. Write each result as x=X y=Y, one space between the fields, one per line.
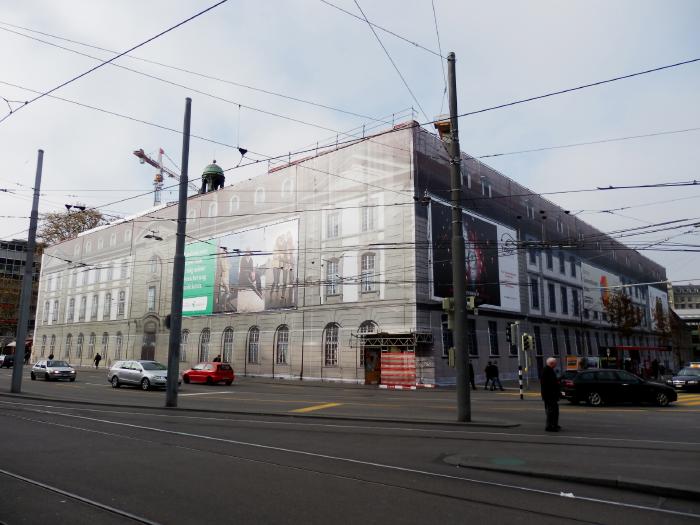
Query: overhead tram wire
x=190 y=72
x=385 y=30
x=105 y=62
x=442 y=61
x=413 y=96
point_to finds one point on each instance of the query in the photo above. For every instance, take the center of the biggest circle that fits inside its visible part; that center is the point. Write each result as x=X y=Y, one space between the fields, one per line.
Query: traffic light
x=512 y=333
x=473 y=302
x=526 y=339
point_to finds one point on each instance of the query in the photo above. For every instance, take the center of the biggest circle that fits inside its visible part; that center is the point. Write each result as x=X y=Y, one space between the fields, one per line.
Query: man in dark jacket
x=550 y=395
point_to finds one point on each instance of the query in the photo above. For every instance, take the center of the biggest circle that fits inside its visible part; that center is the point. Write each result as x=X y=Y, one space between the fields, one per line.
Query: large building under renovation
x=334 y=267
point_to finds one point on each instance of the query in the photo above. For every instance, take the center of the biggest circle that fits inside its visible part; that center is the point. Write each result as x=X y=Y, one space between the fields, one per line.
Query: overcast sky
x=506 y=50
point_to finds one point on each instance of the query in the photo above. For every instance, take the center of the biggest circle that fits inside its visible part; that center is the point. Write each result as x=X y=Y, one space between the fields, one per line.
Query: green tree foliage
x=57 y=227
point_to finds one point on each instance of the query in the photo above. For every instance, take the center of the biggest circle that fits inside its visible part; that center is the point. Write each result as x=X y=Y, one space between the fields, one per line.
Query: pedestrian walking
x=487 y=373
x=550 y=395
x=471 y=376
x=217 y=359
x=50 y=357
x=98 y=358
x=495 y=380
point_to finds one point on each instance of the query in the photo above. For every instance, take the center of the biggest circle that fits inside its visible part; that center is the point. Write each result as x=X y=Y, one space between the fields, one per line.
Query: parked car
x=7 y=360
x=687 y=378
x=599 y=386
x=209 y=373
x=52 y=370
x=146 y=374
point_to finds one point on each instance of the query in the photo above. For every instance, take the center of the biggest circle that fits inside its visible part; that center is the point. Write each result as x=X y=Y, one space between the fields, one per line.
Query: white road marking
x=206 y=393
x=374 y=464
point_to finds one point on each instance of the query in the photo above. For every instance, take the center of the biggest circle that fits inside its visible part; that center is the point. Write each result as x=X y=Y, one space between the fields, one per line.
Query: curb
x=472 y=424
x=656 y=489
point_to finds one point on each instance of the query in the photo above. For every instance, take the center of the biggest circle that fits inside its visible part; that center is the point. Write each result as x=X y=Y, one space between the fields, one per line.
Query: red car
x=209 y=373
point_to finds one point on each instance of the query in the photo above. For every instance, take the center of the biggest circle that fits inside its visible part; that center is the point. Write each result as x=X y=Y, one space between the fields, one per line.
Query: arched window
x=282 y=345
x=52 y=345
x=184 y=341
x=330 y=344
x=368 y=327
x=69 y=343
x=227 y=344
x=105 y=345
x=91 y=344
x=204 y=338
x=43 y=344
x=234 y=204
x=212 y=209
x=253 y=345
x=88 y=247
x=118 y=342
x=287 y=189
x=259 y=197
x=79 y=346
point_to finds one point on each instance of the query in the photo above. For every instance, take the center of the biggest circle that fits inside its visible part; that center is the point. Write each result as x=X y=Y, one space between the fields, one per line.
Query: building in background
x=13 y=256
x=333 y=267
x=686 y=304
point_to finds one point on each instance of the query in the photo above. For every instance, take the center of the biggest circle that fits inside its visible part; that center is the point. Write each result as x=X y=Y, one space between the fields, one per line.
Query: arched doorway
x=148 y=347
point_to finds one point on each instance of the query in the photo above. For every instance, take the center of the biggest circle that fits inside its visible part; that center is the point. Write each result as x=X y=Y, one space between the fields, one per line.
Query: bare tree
x=622 y=313
x=662 y=320
x=59 y=227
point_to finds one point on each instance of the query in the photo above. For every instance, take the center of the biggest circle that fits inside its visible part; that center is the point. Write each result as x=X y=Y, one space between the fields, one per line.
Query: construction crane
x=158 y=179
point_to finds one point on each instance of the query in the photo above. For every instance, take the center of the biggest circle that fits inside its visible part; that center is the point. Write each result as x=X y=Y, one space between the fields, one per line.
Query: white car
x=52 y=370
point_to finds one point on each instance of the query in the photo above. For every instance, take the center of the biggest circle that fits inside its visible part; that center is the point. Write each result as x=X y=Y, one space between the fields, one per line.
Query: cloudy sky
x=313 y=52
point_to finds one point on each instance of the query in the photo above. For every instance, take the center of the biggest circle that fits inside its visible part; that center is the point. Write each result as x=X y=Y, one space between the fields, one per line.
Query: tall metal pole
x=26 y=293
x=178 y=269
x=459 y=282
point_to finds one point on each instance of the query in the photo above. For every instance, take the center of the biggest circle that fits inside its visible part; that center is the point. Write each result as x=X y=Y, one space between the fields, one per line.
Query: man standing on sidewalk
x=550 y=395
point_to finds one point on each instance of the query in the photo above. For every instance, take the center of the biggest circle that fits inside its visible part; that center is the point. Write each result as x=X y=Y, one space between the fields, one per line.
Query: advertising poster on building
x=252 y=271
x=598 y=285
x=490 y=254
x=657 y=299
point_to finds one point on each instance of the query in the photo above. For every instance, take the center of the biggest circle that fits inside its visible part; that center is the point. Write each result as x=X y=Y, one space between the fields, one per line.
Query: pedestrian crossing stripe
x=688 y=400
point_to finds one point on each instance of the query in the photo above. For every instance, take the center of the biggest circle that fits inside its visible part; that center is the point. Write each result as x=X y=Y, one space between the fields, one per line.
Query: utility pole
x=178 y=269
x=459 y=281
x=26 y=293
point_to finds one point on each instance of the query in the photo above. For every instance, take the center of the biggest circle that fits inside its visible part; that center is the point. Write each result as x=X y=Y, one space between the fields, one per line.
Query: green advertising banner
x=200 y=268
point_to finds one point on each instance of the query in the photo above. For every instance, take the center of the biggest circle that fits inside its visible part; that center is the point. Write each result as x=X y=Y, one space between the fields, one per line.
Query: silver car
x=146 y=374
x=52 y=370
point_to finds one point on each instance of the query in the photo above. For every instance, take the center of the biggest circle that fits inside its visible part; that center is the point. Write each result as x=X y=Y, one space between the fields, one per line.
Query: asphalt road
x=86 y=453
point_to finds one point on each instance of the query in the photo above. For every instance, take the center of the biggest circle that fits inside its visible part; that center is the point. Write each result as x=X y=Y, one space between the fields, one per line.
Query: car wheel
x=228 y=382
x=594 y=399
x=186 y=379
x=47 y=377
x=145 y=384
x=72 y=379
x=33 y=376
x=210 y=381
x=662 y=399
x=115 y=382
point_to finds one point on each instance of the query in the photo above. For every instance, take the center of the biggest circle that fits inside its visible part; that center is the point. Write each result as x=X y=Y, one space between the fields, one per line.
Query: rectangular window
x=121 y=304
x=333 y=226
x=562 y=263
x=555 y=342
x=54 y=313
x=107 y=307
x=572 y=262
x=532 y=255
x=551 y=292
x=71 y=310
x=367 y=218
x=550 y=259
x=98 y=274
x=109 y=272
x=151 y=298
x=564 y=300
x=530 y=211
x=83 y=308
x=493 y=338
x=577 y=333
x=574 y=301
x=332 y=277
x=538 y=340
x=534 y=293
x=567 y=341
x=472 y=347
x=84 y=274
x=124 y=270
x=367 y=274
x=47 y=307
x=93 y=307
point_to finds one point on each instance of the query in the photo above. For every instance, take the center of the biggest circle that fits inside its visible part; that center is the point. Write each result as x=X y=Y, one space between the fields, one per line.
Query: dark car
x=7 y=360
x=687 y=378
x=597 y=386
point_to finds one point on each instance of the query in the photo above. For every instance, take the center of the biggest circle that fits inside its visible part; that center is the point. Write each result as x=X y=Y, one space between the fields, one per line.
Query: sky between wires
x=308 y=50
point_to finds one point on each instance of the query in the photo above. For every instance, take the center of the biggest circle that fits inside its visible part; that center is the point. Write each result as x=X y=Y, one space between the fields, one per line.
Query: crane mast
x=158 y=179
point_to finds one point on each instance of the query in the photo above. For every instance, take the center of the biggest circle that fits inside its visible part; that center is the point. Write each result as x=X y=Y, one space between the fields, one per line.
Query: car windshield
x=199 y=366
x=57 y=364
x=689 y=372
x=152 y=365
